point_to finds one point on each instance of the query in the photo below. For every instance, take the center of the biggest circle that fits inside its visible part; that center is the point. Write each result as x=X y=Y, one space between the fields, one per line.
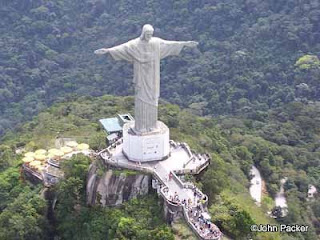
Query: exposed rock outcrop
x=115 y=186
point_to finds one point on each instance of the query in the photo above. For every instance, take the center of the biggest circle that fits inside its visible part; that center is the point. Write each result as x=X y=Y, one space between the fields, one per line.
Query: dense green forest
x=249 y=57
x=234 y=144
x=25 y=214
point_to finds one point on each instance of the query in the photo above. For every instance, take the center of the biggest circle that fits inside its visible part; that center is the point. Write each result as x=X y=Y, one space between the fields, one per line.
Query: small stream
x=256 y=190
x=256 y=184
x=280 y=199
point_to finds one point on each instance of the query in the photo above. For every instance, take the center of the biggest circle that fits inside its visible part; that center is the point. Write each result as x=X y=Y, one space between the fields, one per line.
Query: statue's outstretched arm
x=120 y=52
x=173 y=48
x=190 y=43
x=101 y=51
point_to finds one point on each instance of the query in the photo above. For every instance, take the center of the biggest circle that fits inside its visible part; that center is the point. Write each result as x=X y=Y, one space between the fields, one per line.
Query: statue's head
x=147 y=32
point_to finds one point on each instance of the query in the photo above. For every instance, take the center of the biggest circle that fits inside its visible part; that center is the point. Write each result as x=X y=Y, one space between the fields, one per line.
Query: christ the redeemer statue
x=145 y=52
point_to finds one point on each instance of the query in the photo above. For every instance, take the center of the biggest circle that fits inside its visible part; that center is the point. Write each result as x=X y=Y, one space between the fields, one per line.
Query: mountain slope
x=245 y=60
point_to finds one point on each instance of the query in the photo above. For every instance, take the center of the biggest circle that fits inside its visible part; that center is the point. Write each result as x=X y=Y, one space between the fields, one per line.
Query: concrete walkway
x=185 y=195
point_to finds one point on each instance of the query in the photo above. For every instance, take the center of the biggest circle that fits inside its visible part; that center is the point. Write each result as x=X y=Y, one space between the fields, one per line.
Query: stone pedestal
x=152 y=146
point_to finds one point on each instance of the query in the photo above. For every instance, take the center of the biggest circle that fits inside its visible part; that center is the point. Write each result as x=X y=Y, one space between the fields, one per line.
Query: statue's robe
x=146 y=57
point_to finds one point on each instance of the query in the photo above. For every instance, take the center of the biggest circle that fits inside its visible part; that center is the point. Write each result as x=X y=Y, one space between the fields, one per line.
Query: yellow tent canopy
x=83 y=146
x=66 y=149
x=52 y=150
x=27 y=159
x=40 y=152
x=29 y=154
x=35 y=163
x=59 y=153
x=51 y=155
x=72 y=144
x=40 y=157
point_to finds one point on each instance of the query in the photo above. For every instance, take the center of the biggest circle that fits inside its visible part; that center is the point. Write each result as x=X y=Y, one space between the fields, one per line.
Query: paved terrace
x=177 y=194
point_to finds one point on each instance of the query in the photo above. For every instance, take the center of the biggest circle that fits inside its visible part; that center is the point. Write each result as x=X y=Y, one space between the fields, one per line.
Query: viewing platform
x=47 y=171
x=179 y=196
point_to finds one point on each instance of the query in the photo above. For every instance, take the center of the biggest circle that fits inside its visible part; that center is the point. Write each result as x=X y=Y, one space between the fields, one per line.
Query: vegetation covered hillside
x=253 y=54
x=233 y=143
x=24 y=214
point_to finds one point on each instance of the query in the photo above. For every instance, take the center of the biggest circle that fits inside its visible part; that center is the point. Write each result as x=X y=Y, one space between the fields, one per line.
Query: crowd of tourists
x=198 y=218
x=205 y=227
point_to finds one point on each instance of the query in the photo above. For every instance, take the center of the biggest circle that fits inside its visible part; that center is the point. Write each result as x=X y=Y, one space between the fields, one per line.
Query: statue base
x=146 y=147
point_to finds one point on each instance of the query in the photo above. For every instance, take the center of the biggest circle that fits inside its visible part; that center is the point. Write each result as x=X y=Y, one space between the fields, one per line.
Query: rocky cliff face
x=115 y=186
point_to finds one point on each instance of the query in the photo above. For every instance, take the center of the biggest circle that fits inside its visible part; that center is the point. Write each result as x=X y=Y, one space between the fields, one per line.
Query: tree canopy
x=252 y=56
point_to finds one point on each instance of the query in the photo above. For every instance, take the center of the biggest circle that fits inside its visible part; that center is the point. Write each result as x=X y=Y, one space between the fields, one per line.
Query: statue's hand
x=192 y=44
x=101 y=51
